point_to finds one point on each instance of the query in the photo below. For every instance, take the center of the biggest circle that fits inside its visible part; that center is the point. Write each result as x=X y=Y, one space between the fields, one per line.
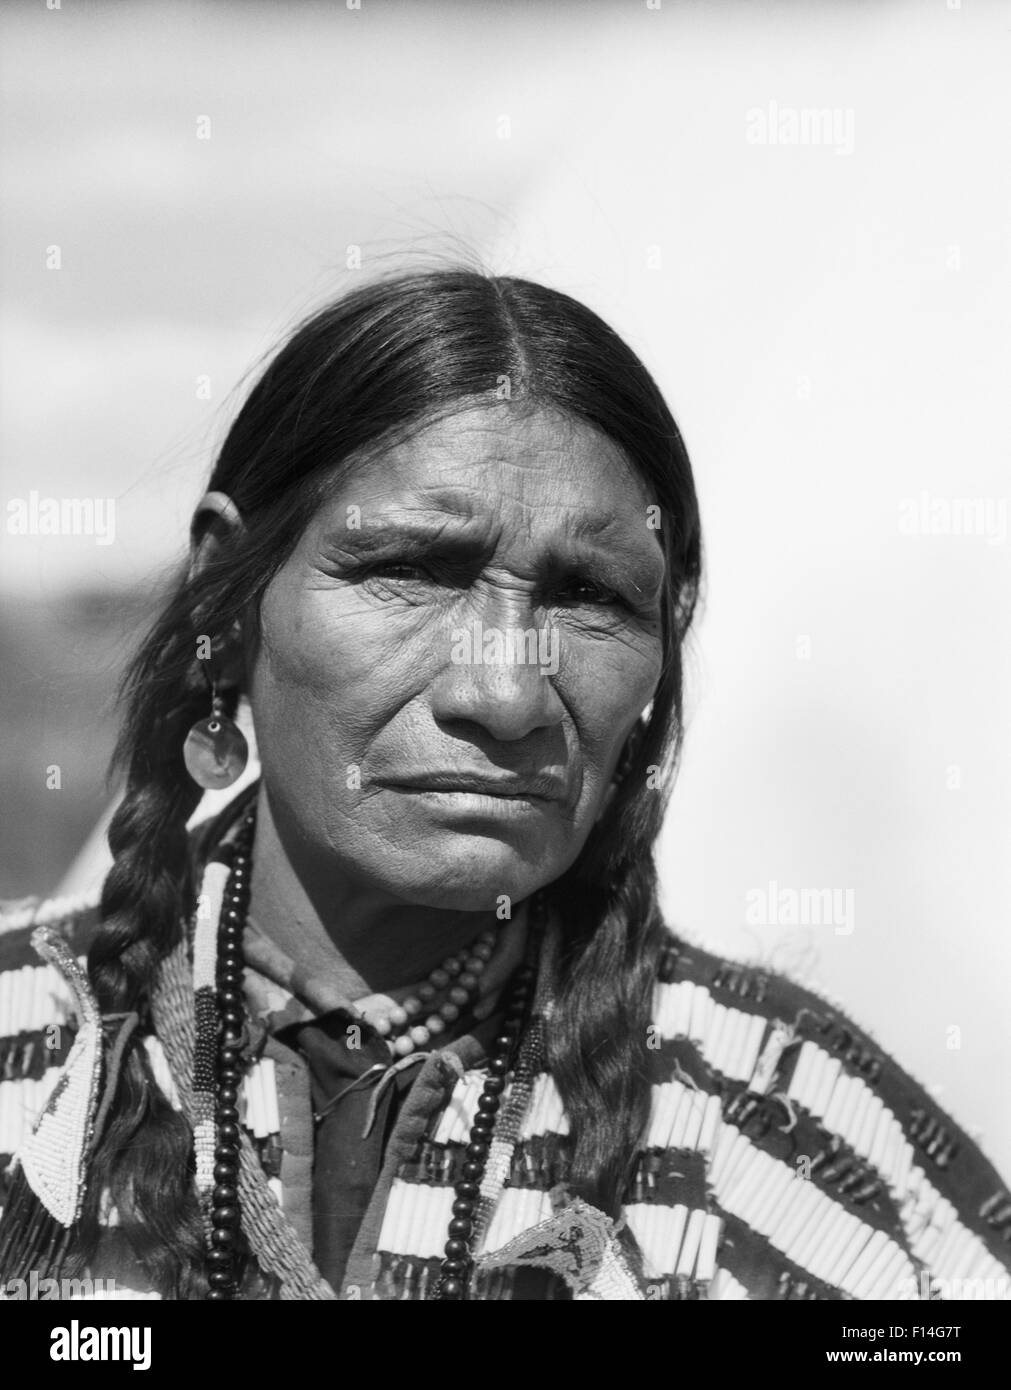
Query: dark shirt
x=357 y=1093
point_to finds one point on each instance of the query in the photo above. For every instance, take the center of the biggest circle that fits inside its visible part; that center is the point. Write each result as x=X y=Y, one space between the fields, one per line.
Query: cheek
x=610 y=684
x=319 y=669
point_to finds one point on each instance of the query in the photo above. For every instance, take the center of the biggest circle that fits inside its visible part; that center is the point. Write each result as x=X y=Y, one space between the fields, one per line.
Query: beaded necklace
x=222 y=1028
x=401 y=1025
x=222 y=1275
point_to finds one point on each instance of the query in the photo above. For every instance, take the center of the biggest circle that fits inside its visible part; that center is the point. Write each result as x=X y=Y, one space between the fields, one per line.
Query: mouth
x=503 y=787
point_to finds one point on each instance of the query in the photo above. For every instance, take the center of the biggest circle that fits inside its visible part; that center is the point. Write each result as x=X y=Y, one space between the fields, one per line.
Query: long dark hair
x=371 y=367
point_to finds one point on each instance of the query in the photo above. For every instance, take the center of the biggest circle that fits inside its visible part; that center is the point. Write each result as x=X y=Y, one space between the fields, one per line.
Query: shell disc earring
x=215 y=751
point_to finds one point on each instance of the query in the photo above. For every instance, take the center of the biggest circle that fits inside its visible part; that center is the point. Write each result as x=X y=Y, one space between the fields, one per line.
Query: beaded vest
x=786 y=1156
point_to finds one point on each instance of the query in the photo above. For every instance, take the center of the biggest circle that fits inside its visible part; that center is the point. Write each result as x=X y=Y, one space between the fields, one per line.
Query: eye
x=391 y=573
x=397 y=569
x=411 y=581
x=588 y=591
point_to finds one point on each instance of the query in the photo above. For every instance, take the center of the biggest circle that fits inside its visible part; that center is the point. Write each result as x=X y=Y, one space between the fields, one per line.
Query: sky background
x=829 y=322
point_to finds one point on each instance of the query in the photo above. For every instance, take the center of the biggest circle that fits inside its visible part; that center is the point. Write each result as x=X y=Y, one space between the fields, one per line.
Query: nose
x=509 y=696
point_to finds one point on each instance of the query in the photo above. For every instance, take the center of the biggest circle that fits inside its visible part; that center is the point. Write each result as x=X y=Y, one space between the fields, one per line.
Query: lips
x=543 y=786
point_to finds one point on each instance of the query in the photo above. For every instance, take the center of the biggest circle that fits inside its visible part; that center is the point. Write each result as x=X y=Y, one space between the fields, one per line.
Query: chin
x=472 y=877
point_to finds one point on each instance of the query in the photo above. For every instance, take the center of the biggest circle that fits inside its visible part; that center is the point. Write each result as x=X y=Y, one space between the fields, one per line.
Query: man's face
x=453 y=656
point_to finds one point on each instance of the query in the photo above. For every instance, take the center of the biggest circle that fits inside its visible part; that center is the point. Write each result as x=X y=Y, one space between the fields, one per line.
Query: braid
x=144 y=893
x=613 y=933
x=598 y=1029
x=148 y=889
x=143 y=1160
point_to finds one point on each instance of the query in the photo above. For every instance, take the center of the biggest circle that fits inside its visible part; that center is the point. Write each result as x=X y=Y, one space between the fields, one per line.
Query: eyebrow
x=392 y=528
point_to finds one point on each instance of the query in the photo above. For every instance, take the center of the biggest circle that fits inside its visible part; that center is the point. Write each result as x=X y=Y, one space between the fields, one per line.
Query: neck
x=349 y=939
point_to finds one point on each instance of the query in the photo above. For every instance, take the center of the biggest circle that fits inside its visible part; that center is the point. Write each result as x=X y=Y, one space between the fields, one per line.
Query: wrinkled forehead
x=501 y=469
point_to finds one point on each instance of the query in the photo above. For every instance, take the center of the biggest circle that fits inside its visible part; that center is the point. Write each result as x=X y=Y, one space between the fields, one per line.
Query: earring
x=215 y=751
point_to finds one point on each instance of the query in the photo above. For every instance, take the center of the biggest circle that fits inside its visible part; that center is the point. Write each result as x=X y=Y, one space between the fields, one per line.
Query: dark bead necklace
x=223 y=1256
x=223 y=1272
x=458 y=1260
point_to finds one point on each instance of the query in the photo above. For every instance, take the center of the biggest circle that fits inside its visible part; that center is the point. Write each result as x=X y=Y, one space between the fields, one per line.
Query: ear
x=216 y=524
x=216 y=521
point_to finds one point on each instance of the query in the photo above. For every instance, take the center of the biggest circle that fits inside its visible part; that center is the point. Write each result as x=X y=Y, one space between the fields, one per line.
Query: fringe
x=543 y=1161
x=404 y=1278
x=493 y=1286
x=675 y=1288
x=31 y=1239
x=28 y=1056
